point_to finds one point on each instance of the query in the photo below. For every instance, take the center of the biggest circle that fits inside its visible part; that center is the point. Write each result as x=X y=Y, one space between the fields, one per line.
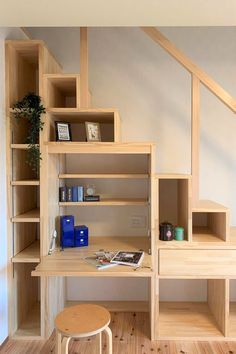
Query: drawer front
x=197 y=262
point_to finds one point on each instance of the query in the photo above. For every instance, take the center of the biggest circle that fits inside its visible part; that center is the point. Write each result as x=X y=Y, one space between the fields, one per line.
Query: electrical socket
x=138 y=221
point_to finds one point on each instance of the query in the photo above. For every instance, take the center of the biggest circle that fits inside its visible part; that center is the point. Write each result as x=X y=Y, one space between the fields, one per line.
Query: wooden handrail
x=205 y=79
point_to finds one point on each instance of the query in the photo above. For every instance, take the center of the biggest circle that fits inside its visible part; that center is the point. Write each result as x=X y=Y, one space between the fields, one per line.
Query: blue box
x=67 y=231
x=81 y=236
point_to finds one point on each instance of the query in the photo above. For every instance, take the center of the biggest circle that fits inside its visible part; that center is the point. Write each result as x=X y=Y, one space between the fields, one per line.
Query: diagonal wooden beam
x=205 y=79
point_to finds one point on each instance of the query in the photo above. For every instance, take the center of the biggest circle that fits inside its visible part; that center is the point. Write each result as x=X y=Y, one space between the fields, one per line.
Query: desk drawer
x=197 y=262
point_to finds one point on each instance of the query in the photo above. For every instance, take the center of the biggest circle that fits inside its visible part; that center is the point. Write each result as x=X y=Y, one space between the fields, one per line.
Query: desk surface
x=71 y=261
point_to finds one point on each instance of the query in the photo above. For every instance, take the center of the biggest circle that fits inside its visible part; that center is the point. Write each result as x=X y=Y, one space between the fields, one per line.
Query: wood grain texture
x=197 y=262
x=216 y=299
x=84 y=88
x=195 y=137
x=130 y=335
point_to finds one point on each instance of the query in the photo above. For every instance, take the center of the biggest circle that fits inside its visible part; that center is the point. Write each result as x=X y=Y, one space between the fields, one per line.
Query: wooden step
x=205 y=206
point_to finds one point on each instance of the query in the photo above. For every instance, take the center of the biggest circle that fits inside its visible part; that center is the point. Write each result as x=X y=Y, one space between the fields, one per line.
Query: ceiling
x=117 y=13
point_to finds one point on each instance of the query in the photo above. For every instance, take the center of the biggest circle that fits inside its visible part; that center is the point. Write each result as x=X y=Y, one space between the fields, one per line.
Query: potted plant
x=31 y=109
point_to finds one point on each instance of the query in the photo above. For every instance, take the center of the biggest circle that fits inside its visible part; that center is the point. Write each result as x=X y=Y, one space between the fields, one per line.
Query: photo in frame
x=93 y=132
x=63 y=131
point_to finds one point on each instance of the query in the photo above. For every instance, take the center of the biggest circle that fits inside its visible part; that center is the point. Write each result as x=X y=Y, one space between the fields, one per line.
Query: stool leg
x=109 y=339
x=65 y=345
x=100 y=342
x=58 y=342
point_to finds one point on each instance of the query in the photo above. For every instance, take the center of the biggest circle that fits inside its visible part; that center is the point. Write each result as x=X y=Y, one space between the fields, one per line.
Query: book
x=101 y=260
x=133 y=259
x=92 y=198
x=69 y=194
x=74 y=194
x=62 y=194
x=80 y=193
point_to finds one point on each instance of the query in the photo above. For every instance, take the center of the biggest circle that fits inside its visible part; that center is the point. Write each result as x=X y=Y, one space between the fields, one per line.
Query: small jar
x=179 y=233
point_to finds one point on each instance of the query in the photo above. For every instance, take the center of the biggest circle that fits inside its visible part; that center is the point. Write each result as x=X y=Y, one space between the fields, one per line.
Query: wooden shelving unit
x=26 y=62
x=124 y=176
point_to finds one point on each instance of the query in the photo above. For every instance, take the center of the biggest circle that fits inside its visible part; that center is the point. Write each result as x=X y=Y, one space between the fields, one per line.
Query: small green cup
x=179 y=233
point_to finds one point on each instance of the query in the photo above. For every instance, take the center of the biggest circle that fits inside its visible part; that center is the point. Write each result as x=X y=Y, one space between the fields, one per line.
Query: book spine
x=62 y=194
x=69 y=194
x=74 y=194
x=80 y=193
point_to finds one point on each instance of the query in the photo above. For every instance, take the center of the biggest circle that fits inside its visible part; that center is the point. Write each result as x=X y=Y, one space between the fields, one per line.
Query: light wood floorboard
x=130 y=336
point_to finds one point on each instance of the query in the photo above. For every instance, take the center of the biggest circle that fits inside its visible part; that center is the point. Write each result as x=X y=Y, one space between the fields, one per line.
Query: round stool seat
x=82 y=320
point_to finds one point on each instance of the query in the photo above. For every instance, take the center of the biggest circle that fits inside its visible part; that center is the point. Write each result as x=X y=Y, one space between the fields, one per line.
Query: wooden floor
x=130 y=336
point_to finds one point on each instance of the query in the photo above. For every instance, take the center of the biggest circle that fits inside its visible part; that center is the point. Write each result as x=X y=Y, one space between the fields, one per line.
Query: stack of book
x=71 y=194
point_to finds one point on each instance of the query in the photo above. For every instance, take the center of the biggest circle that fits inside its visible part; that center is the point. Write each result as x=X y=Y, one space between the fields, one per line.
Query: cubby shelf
x=107 y=202
x=29 y=216
x=30 y=254
x=30 y=327
x=187 y=319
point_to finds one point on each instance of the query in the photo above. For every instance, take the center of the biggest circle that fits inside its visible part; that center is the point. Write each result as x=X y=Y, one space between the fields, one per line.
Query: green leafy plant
x=31 y=109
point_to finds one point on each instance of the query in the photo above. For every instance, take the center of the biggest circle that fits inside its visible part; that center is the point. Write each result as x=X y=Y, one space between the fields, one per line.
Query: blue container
x=67 y=231
x=81 y=236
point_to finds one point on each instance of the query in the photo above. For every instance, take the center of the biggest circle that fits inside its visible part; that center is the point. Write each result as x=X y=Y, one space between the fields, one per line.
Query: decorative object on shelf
x=63 y=131
x=93 y=131
x=133 y=259
x=81 y=236
x=179 y=233
x=31 y=109
x=90 y=194
x=166 y=231
x=52 y=243
x=67 y=231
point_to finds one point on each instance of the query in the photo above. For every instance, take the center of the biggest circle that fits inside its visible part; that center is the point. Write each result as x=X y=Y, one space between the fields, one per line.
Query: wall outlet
x=138 y=221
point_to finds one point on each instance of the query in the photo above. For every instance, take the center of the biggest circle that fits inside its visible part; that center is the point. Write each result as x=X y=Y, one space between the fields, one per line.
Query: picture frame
x=63 y=131
x=93 y=132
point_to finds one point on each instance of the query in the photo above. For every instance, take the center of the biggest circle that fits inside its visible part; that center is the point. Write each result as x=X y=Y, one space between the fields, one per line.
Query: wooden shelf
x=98 y=148
x=30 y=254
x=70 y=262
x=102 y=115
x=107 y=202
x=105 y=175
x=208 y=206
x=204 y=234
x=25 y=183
x=20 y=146
x=30 y=327
x=29 y=216
x=172 y=176
x=187 y=320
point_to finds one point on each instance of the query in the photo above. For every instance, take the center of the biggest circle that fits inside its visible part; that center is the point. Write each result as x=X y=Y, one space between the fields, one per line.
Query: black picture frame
x=63 y=131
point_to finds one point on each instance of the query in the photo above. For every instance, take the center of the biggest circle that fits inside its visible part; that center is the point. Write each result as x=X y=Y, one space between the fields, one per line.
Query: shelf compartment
x=29 y=216
x=71 y=261
x=108 y=202
x=108 y=120
x=24 y=69
x=25 y=183
x=193 y=319
x=62 y=90
x=30 y=254
x=26 y=315
x=175 y=201
x=210 y=222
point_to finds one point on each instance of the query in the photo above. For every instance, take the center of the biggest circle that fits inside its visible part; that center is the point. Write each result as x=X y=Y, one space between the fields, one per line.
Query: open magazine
x=101 y=260
x=133 y=259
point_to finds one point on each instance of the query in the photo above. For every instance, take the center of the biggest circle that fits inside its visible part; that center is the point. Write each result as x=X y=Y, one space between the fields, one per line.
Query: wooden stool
x=82 y=321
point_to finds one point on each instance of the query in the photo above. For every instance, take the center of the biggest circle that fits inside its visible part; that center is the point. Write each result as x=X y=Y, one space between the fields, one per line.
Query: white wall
x=152 y=92
x=5 y=33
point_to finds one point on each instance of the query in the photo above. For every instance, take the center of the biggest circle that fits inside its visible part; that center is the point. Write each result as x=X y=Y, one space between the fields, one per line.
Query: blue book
x=74 y=194
x=80 y=193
